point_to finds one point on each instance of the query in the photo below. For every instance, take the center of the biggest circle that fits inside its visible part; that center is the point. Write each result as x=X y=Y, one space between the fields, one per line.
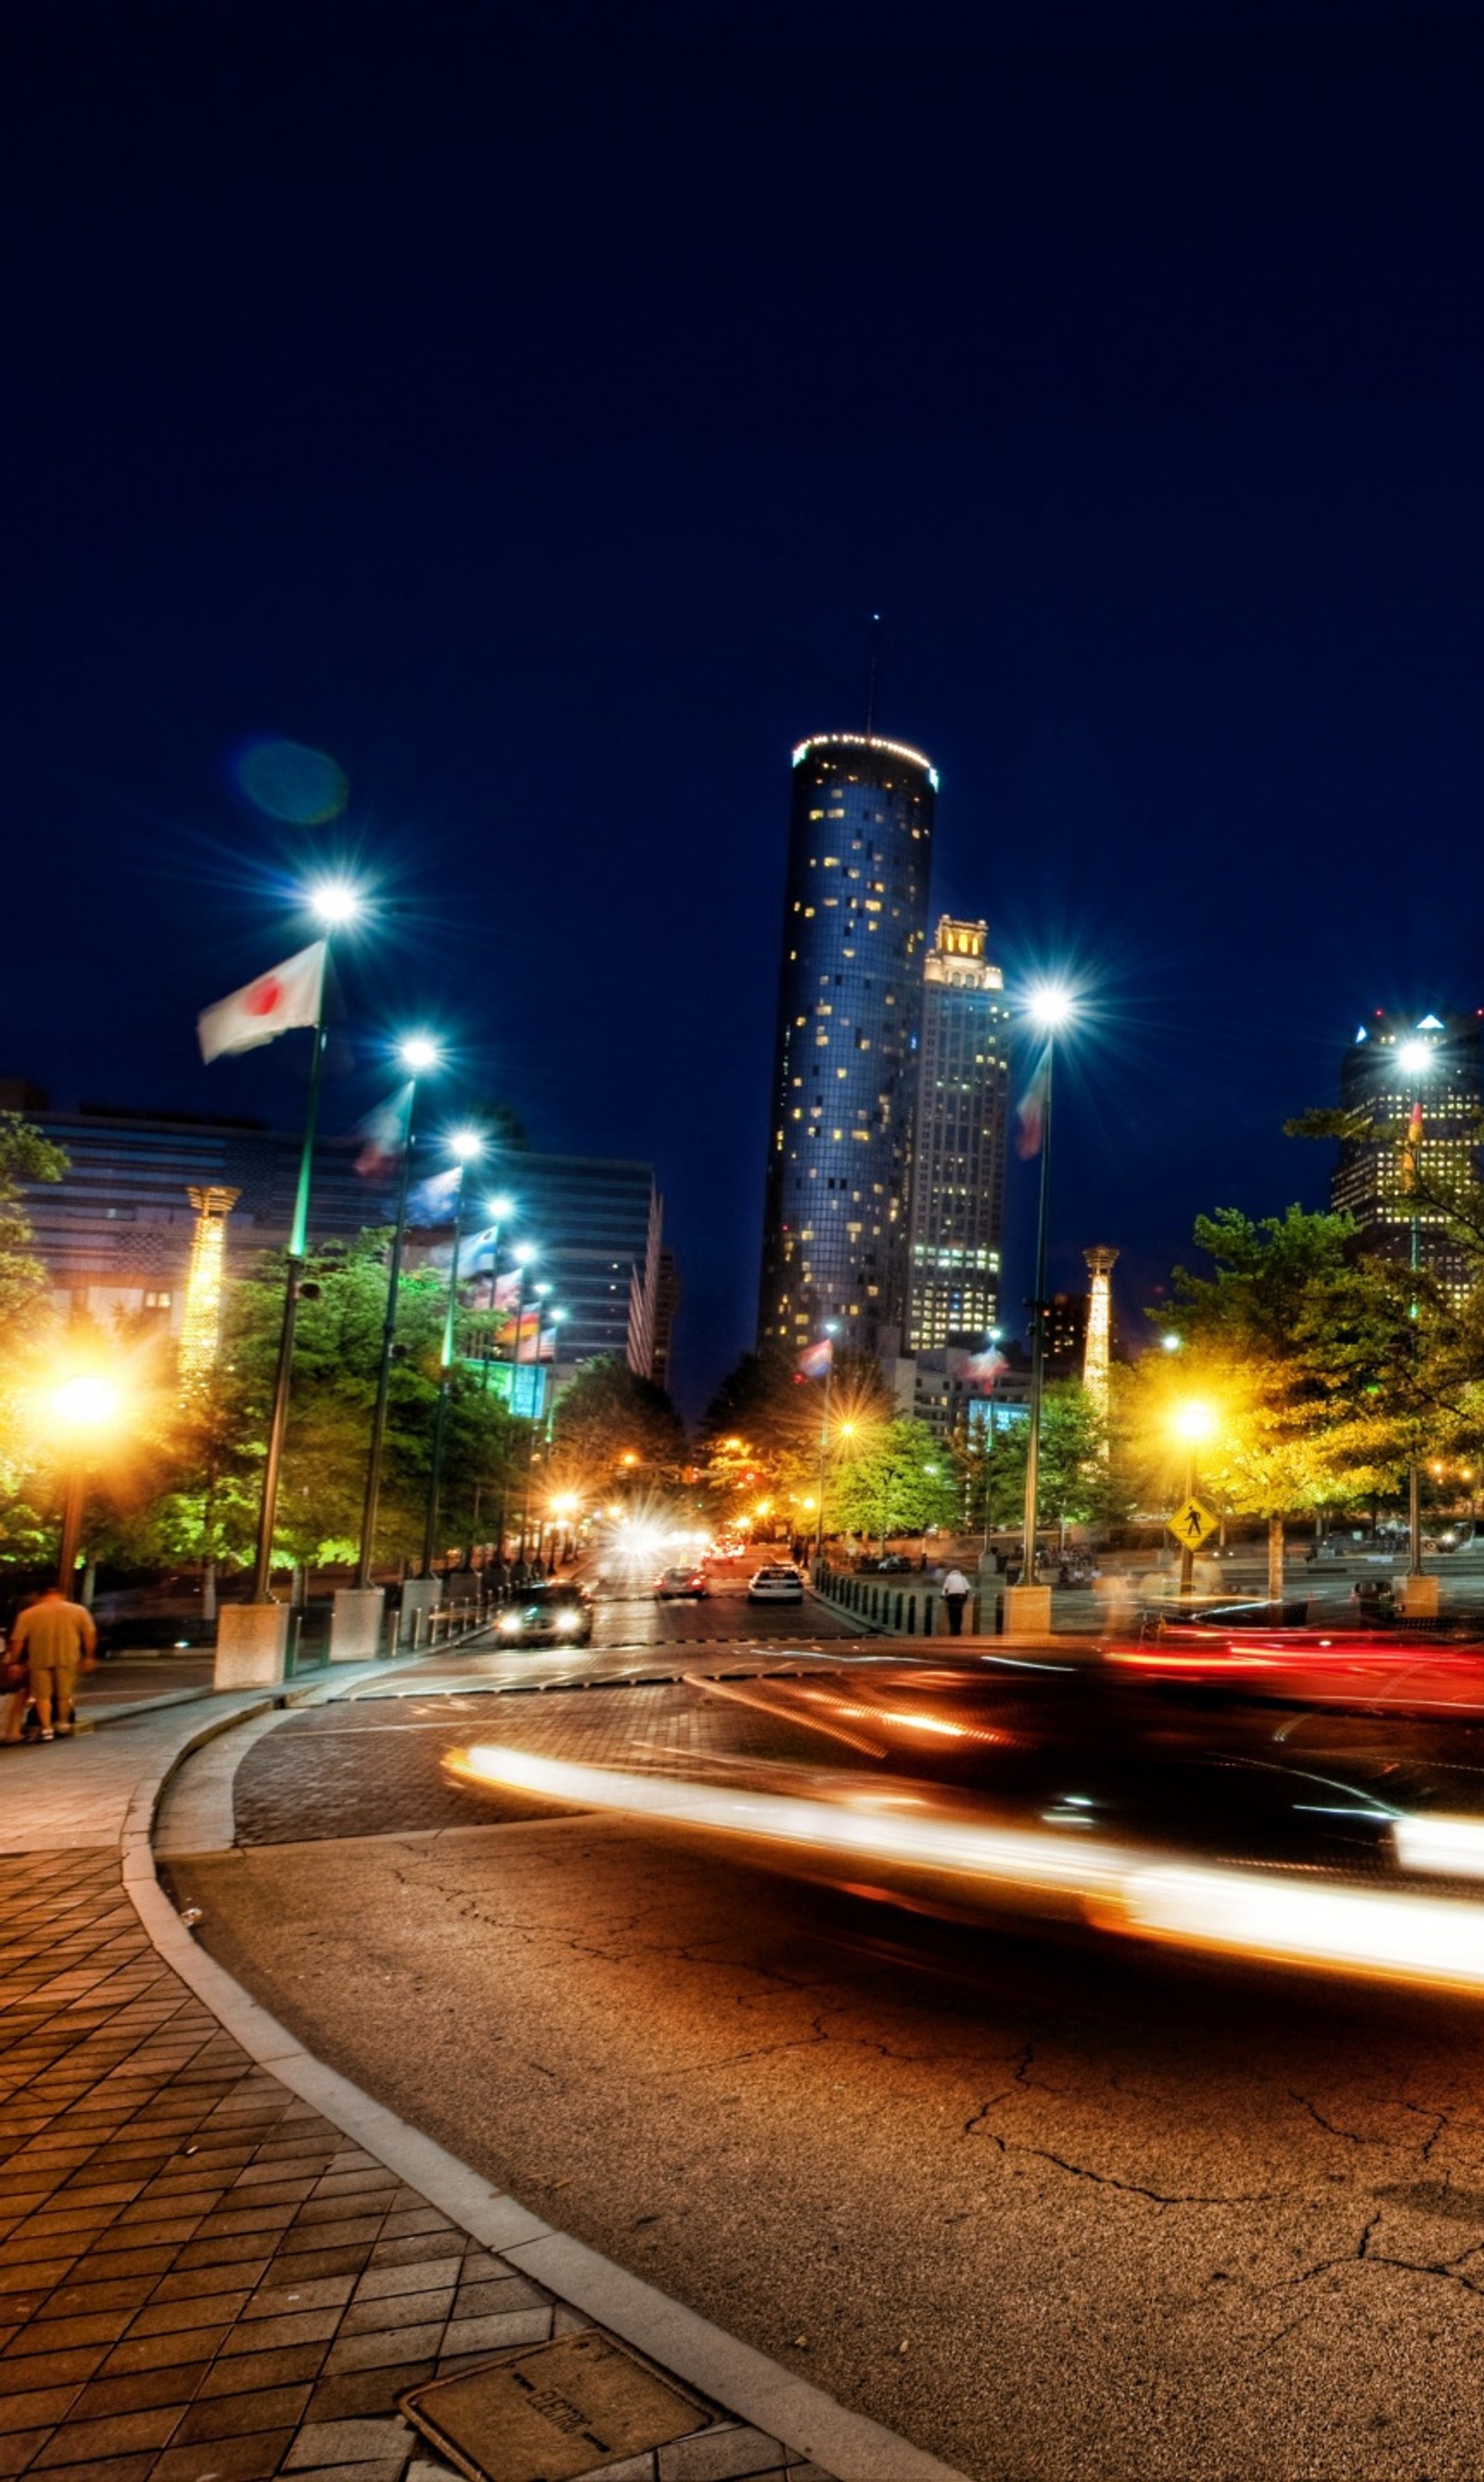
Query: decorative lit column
x=1101 y=1263
x=201 y=1326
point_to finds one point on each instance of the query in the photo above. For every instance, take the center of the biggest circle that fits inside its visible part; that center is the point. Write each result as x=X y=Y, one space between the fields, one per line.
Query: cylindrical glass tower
x=850 y=999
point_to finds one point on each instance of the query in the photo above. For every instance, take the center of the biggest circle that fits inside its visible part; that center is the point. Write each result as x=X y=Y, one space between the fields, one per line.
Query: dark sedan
x=550 y=1615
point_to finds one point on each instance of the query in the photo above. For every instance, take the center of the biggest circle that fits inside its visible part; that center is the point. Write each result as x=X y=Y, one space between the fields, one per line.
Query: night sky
x=530 y=406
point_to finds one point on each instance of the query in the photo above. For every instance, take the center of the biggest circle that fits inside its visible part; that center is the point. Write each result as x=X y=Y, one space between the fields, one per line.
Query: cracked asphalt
x=1047 y=2208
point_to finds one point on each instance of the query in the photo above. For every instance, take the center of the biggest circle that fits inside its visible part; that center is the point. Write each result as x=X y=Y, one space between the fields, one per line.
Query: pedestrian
x=15 y=1690
x=54 y=1636
x=956 y=1591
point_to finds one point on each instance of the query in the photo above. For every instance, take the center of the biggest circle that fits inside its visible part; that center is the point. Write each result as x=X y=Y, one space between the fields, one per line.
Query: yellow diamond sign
x=1191 y=1525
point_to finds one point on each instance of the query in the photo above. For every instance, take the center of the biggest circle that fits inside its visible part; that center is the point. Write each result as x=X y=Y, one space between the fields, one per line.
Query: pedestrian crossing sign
x=1191 y=1525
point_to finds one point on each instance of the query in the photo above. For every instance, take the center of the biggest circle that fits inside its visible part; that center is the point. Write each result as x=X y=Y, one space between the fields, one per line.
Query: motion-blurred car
x=551 y=1615
x=778 y=1583
x=674 y=1585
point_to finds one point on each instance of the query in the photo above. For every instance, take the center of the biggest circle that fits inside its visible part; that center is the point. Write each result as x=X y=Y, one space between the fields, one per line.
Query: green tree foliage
x=1303 y=1357
x=1077 y=1483
x=608 y=1417
x=211 y=1511
x=767 y=1430
x=26 y=1155
x=26 y=1483
x=895 y=1480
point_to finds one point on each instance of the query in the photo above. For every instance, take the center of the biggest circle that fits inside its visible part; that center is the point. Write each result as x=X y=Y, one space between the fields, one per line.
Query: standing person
x=956 y=1591
x=54 y=1636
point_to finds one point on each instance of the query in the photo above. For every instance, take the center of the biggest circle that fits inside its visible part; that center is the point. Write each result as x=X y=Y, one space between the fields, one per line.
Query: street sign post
x=1191 y=1525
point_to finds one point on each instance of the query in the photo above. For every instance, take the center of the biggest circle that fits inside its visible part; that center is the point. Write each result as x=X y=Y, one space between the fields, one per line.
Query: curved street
x=1043 y=2207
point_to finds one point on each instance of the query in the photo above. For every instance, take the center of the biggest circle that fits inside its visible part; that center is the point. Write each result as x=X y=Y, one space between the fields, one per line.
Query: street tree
x=1296 y=1367
x=609 y=1423
x=895 y=1479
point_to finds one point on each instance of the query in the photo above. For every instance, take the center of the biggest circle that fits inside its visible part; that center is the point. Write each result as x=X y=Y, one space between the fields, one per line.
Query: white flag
x=286 y=995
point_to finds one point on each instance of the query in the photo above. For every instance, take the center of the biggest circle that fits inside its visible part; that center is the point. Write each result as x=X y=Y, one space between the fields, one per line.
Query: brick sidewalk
x=201 y=2280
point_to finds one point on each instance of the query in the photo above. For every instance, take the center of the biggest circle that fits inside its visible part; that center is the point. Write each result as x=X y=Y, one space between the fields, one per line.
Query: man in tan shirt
x=54 y=1637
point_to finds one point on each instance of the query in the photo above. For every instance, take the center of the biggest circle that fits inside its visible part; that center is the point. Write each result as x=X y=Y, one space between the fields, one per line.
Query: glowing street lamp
x=418 y=1054
x=1049 y=1005
x=335 y=902
x=1192 y=1422
x=82 y=1405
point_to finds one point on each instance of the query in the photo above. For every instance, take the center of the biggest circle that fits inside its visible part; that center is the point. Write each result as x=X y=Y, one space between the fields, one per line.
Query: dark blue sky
x=529 y=407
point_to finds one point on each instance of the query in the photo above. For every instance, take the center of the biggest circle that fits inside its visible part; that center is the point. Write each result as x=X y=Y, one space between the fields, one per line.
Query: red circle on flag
x=264 y=996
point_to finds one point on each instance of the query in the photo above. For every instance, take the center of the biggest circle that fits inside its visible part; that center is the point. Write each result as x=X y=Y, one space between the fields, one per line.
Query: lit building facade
x=850 y=1004
x=120 y=1230
x=1398 y=1063
x=958 y=1173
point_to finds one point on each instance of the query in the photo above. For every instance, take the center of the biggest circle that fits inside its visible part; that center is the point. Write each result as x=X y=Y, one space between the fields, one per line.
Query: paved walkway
x=201 y=2278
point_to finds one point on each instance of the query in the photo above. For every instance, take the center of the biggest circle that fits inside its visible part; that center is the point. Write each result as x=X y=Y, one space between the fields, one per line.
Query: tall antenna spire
x=873 y=675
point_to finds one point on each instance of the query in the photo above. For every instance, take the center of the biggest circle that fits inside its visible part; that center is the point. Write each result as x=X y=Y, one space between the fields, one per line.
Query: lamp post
x=82 y=1405
x=463 y=1146
x=1192 y=1422
x=832 y=1330
x=335 y=903
x=1416 y=1059
x=418 y=1055
x=1048 y=1007
x=541 y=1292
x=499 y=1211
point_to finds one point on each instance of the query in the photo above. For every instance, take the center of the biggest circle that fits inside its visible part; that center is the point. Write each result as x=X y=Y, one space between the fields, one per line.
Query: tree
x=899 y=1481
x=609 y=1421
x=26 y=1484
x=1282 y=1346
x=212 y=1510
x=766 y=1433
x=1075 y=1481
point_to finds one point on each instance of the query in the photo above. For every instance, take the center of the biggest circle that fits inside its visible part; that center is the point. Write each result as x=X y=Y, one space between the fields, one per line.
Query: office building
x=958 y=1173
x=1396 y=1067
x=850 y=1003
x=116 y=1232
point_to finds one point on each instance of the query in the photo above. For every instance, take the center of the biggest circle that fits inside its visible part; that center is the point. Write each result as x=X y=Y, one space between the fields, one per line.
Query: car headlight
x=510 y=1624
x=566 y=1621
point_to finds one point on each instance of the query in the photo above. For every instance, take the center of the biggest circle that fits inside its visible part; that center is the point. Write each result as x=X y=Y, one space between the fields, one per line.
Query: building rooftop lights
x=866 y=741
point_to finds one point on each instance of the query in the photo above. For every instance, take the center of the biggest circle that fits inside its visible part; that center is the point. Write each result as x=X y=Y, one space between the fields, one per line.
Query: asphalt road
x=1049 y=2209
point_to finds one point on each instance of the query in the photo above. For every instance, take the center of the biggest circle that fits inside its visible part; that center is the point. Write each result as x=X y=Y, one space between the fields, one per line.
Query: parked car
x=547 y=1615
x=778 y=1583
x=674 y=1585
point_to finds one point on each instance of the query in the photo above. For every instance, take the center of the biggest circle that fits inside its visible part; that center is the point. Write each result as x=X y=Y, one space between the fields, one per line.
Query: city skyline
x=1174 y=521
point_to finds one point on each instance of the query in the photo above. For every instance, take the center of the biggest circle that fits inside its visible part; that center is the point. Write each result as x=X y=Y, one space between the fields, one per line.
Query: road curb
x=746 y=2382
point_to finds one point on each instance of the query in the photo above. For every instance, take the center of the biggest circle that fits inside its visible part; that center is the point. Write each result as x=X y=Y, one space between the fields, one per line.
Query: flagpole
x=388 y=1338
x=465 y=1146
x=298 y=1246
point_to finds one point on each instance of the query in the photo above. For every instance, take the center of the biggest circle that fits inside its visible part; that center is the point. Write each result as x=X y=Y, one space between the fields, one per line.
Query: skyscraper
x=1397 y=1068
x=958 y=1180
x=850 y=1000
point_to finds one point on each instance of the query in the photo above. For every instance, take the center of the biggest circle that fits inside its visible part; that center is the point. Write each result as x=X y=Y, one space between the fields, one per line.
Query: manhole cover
x=559 y=2410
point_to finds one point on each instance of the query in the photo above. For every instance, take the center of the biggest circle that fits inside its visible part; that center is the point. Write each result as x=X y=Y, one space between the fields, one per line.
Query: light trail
x=1276 y=1916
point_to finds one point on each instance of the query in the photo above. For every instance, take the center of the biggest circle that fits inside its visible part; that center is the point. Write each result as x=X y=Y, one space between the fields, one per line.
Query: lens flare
x=304 y=788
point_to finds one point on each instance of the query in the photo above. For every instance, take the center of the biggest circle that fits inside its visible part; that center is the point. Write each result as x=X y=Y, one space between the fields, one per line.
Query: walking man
x=54 y=1637
x=956 y=1591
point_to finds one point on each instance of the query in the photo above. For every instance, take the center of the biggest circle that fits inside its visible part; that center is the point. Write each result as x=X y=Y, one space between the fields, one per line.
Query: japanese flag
x=286 y=996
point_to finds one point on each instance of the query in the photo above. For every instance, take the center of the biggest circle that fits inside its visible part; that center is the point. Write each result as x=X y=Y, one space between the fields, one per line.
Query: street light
x=1192 y=1422
x=1416 y=1059
x=335 y=903
x=1049 y=1005
x=82 y=1405
x=463 y=1146
x=418 y=1054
